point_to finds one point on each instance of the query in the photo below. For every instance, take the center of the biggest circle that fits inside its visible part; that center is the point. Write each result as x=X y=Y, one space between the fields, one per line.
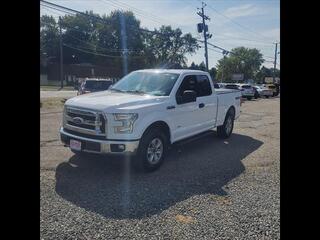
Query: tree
x=241 y=60
x=266 y=72
x=167 y=46
x=90 y=40
x=49 y=39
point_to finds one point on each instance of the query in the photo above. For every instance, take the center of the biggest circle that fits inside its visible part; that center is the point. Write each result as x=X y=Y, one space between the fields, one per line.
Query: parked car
x=275 y=89
x=94 y=85
x=256 y=93
x=216 y=85
x=145 y=112
x=246 y=90
x=231 y=86
x=263 y=91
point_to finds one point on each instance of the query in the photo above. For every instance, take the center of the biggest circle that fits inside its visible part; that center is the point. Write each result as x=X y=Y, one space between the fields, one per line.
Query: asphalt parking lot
x=207 y=189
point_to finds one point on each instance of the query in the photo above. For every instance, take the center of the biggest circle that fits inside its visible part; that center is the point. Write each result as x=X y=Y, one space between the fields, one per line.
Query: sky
x=233 y=23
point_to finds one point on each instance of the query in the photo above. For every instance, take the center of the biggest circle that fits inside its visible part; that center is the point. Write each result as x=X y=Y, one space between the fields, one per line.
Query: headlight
x=127 y=120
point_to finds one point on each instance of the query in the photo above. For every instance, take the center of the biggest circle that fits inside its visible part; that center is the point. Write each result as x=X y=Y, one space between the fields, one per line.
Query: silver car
x=264 y=91
x=246 y=90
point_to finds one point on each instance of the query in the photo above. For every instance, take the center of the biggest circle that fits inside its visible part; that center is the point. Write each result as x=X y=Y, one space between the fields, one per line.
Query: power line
x=238 y=24
x=244 y=39
x=95 y=53
x=67 y=10
x=214 y=50
x=117 y=5
x=144 y=14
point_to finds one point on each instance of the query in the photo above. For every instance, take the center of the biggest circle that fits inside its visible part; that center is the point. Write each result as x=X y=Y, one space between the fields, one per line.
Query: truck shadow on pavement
x=107 y=186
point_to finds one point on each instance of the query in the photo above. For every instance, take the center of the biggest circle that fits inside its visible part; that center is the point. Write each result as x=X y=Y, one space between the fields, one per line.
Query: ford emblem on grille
x=77 y=120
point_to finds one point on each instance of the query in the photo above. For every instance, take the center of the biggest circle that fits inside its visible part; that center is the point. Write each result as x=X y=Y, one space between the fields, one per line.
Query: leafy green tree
x=169 y=46
x=266 y=72
x=49 y=39
x=241 y=60
x=89 y=40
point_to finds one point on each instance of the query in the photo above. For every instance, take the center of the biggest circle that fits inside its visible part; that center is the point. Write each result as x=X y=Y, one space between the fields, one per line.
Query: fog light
x=117 y=147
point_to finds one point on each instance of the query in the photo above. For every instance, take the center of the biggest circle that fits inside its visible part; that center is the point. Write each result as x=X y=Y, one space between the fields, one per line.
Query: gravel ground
x=206 y=189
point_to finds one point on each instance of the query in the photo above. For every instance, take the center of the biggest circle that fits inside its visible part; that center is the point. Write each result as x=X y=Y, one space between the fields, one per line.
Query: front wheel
x=249 y=98
x=151 y=152
x=225 y=130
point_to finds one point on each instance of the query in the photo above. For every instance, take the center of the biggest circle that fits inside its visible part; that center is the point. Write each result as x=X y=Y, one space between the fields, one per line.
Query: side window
x=204 y=87
x=188 y=83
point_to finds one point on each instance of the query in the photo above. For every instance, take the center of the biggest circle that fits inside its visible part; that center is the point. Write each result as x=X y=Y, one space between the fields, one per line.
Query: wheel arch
x=162 y=125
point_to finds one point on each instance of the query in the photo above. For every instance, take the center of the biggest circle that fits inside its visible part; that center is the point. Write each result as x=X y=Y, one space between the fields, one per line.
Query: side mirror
x=187 y=96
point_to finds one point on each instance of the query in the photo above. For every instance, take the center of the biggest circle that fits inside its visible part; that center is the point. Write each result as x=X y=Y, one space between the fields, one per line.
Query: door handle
x=201 y=105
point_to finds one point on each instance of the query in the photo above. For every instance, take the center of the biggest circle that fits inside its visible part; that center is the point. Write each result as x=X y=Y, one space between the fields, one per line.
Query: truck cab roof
x=177 y=71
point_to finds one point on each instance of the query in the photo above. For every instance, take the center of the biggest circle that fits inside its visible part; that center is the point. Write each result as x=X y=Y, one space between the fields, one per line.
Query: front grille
x=85 y=121
x=85 y=135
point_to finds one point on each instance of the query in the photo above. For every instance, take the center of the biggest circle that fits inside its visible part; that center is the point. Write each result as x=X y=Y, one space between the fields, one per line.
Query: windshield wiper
x=135 y=91
x=116 y=90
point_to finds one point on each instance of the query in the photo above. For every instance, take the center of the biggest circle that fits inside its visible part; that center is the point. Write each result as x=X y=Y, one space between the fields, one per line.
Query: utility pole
x=205 y=29
x=275 y=62
x=61 y=54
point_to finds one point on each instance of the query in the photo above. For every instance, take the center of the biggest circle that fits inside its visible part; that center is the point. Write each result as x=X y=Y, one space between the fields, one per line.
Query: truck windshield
x=153 y=83
x=97 y=85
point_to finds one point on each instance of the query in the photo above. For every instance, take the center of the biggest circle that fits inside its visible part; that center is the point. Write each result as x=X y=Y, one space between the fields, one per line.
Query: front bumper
x=101 y=146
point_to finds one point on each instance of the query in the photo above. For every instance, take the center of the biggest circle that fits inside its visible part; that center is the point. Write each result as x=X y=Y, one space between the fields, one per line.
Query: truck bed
x=227 y=98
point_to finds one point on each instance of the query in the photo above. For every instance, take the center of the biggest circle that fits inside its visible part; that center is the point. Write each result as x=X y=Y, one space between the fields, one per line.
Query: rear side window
x=203 y=85
x=246 y=86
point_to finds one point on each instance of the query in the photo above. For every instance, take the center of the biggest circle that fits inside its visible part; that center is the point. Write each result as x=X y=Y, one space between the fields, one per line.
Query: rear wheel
x=249 y=98
x=267 y=96
x=151 y=152
x=225 y=130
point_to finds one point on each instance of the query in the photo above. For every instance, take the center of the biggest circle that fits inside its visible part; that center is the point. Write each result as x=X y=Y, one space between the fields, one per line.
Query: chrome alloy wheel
x=155 y=151
x=229 y=125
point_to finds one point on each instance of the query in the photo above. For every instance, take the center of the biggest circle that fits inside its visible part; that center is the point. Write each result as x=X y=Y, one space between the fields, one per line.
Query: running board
x=194 y=138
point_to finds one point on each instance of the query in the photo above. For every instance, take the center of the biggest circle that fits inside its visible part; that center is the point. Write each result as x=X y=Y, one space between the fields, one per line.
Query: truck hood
x=113 y=101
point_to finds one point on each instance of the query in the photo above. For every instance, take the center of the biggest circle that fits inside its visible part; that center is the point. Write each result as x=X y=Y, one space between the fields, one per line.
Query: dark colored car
x=231 y=86
x=94 y=85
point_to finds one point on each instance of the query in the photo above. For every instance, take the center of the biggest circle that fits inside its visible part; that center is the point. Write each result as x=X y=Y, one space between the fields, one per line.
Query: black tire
x=223 y=131
x=249 y=98
x=142 y=162
x=79 y=153
x=267 y=96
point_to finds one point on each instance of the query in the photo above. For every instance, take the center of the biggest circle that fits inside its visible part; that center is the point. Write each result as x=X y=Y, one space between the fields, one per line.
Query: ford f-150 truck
x=147 y=111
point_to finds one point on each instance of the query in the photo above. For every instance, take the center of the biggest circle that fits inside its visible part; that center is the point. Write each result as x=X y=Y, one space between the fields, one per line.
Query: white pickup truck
x=147 y=111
